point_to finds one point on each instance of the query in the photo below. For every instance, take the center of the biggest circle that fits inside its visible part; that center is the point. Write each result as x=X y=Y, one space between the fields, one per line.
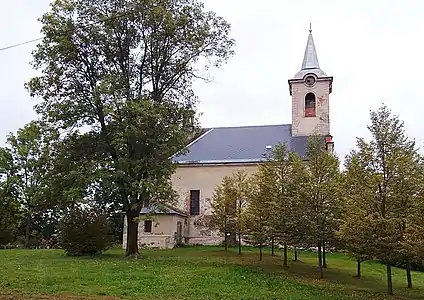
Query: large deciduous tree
x=123 y=70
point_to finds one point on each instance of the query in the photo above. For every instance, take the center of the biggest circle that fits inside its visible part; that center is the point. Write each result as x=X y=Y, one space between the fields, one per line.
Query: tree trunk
x=260 y=251
x=232 y=239
x=27 y=230
x=389 y=279
x=324 y=257
x=239 y=243
x=358 y=268
x=226 y=241
x=408 y=276
x=272 y=246
x=285 y=265
x=132 y=234
x=295 y=253
x=320 y=268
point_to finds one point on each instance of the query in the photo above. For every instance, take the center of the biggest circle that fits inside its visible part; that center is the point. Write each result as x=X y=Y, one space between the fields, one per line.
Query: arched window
x=310 y=105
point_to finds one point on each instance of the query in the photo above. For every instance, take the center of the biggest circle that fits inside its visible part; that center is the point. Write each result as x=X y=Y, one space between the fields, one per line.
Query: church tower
x=310 y=90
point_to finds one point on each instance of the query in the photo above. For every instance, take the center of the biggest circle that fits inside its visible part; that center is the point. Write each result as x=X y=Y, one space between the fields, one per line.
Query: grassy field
x=192 y=273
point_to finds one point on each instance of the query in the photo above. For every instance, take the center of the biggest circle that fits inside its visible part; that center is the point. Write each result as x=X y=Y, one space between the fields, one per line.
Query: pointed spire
x=310 y=62
x=310 y=59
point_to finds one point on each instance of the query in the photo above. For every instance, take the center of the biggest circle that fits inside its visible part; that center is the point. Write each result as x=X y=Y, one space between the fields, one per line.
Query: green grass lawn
x=192 y=273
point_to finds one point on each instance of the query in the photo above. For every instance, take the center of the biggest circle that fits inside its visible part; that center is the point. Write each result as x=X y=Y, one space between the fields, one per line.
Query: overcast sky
x=373 y=49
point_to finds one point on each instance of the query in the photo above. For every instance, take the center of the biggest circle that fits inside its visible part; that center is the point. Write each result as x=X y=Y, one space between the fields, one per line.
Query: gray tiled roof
x=241 y=144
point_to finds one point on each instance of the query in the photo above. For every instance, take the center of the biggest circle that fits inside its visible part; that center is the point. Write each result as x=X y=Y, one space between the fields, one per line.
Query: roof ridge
x=251 y=126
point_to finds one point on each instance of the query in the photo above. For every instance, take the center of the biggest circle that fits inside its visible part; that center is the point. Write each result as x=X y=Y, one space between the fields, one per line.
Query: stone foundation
x=157 y=241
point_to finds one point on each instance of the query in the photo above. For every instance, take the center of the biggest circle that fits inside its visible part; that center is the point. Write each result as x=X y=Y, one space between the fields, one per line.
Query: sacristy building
x=221 y=151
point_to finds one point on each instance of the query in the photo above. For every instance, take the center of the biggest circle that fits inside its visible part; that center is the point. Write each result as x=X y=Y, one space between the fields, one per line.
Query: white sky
x=373 y=49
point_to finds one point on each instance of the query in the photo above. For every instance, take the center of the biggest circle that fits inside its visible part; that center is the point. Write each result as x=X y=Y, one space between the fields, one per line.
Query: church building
x=221 y=151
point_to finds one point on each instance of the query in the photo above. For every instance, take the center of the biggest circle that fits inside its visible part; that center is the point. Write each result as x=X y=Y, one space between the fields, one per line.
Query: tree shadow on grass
x=366 y=287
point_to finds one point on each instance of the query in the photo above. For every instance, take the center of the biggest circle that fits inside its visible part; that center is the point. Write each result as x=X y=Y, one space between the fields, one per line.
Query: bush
x=84 y=231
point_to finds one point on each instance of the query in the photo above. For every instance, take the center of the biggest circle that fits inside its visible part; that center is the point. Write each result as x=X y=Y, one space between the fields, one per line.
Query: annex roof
x=155 y=209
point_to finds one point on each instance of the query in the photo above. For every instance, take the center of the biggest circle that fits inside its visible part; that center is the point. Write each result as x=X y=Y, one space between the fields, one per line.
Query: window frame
x=194 y=209
x=150 y=227
x=310 y=105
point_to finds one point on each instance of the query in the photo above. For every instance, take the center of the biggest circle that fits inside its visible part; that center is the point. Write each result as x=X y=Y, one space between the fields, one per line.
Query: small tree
x=386 y=168
x=299 y=203
x=257 y=214
x=223 y=209
x=354 y=231
x=323 y=201
x=355 y=236
x=241 y=188
x=84 y=231
x=278 y=170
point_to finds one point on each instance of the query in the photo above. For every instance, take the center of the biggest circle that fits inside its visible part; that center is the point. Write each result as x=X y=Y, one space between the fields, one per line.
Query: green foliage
x=10 y=215
x=257 y=213
x=26 y=165
x=323 y=187
x=84 y=231
x=383 y=183
x=124 y=70
x=228 y=207
x=223 y=207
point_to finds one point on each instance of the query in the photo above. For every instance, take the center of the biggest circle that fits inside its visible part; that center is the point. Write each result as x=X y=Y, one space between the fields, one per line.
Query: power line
x=82 y=26
x=20 y=44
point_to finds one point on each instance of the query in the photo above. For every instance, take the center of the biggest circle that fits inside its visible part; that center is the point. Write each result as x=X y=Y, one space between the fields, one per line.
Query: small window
x=194 y=202
x=147 y=225
x=310 y=107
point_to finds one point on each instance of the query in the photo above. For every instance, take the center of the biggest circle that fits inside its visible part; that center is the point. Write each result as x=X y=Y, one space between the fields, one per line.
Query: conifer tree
x=322 y=188
x=241 y=187
x=278 y=170
x=386 y=170
x=257 y=213
x=223 y=212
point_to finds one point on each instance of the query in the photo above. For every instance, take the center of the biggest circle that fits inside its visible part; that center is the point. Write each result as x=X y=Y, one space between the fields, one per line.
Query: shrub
x=84 y=231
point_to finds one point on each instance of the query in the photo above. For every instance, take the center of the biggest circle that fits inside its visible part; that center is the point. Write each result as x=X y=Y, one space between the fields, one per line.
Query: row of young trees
x=373 y=209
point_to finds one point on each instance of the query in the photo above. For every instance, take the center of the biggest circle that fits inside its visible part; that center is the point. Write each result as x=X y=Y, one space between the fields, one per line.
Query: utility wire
x=81 y=26
x=20 y=44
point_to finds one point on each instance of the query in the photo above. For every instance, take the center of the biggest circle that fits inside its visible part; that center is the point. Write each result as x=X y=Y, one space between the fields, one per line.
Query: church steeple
x=310 y=90
x=310 y=62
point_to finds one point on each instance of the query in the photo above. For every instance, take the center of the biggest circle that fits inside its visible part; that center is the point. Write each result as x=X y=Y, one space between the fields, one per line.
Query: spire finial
x=310 y=27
